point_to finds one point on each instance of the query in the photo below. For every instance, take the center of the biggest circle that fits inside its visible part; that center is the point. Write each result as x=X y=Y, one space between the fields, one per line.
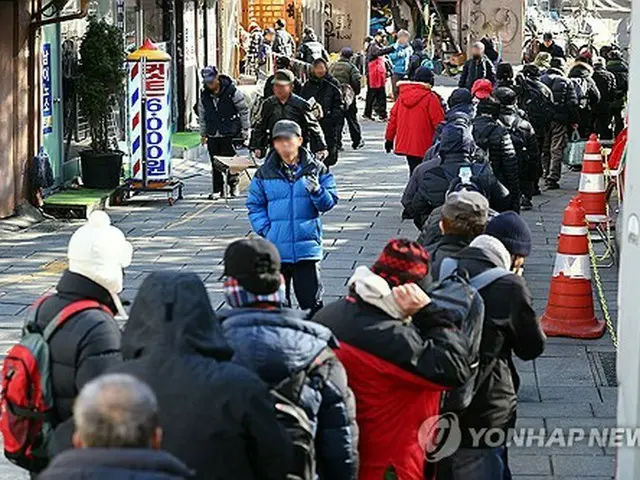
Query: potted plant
x=100 y=84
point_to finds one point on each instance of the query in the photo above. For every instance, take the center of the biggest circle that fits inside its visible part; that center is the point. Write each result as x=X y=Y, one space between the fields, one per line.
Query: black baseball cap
x=255 y=264
x=286 y=129
x=283 y=77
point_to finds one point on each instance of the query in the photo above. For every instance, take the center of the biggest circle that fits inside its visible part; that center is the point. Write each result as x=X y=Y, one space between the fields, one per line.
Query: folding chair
x=232 y=166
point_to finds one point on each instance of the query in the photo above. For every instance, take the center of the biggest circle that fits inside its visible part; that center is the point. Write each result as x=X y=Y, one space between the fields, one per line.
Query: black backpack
x=581 y=86
x=456 y=291
x=465 y=180
x=537 y=100
x=519 y=143
x=294 y=419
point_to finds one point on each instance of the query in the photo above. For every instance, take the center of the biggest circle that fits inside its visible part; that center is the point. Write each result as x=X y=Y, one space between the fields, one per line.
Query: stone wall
x=346 y=23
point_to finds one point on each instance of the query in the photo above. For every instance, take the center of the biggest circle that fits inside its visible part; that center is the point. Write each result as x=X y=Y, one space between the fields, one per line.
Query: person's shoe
x=359 y=145
x=233 y=191
x=526 y=204
x=553 y=185
x=536 y=191
x=366 y=117
x=576 y=168
x=213 y=196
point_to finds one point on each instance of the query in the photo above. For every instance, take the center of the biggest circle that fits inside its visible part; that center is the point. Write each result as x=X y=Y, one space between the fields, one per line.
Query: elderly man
x=117 y=435
x=477 y=67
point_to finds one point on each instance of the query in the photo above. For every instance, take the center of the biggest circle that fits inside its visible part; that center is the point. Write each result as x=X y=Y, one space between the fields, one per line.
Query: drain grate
x=604 y=365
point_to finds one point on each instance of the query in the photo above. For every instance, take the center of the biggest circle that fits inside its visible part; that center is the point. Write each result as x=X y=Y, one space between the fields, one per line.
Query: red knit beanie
x=402 y=261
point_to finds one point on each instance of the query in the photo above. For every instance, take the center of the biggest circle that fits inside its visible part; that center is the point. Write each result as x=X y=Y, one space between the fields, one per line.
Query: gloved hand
x=322 y=154
x=388 y=145
x=311 y=183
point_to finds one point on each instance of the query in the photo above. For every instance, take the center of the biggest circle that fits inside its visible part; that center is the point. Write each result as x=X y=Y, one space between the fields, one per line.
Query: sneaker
x=553 y=185
x=359 y=145
x=526 y=204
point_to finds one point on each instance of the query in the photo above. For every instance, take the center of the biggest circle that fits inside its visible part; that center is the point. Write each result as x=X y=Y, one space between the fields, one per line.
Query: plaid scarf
x=237 y=297
x=290 y=171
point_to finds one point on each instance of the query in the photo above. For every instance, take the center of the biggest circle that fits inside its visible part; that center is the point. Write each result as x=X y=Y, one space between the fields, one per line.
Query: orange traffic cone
x=592 y=184
x=570 y=306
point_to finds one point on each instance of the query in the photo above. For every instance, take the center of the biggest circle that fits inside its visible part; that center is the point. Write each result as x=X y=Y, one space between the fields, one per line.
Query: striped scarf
x=237 y=297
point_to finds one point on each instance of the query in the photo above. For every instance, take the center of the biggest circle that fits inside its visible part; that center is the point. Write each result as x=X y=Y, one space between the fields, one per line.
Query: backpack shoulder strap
x=69 y=311
x=447 y=267
x=30 y=323
x=488 y=277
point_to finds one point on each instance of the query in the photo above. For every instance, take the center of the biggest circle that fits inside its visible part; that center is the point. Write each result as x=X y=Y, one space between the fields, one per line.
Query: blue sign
x=47 y=95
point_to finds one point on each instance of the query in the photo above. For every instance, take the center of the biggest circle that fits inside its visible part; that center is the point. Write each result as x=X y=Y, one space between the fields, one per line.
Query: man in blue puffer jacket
x=286 y=197
x=400 y=58
x=278 y=343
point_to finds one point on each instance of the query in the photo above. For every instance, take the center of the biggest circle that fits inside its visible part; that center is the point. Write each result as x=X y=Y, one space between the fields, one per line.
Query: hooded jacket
x=85 y=347
x=311 y=49
x=345 y=72
x=419 y=55
x=620 y=69
x=524 y=140
x=223 y=114
x=397 y=370
x=296 y=109
x=327 y=93
x=414 y=119
x=400 y=58
x=285 y=213
x=582 y=75
x=216 y=416
x=476 y=69
x=606 y=83
x=494 y=138
x=510 y=326
x=278 y=343
x=283 y=43
x=112 y=463
x=564 y=96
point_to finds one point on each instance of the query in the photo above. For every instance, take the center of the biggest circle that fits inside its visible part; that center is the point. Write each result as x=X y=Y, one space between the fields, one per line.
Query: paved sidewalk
x=563 y=388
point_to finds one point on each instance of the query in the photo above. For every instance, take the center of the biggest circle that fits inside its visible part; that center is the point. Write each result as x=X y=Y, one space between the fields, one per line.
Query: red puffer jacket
x=377 y=73
x=414 y=119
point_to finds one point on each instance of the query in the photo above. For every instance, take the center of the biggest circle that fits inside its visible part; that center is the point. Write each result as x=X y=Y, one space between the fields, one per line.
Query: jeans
x=413 y=163
x=555 y=142
x=351 y=118
x=376 y=99
x=479 y=464
x=221 y=147
x=307 y=283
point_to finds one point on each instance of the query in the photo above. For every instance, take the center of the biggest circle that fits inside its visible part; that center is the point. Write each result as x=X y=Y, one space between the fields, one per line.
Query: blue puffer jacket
x=276 y=344
x=400 y=58
x=285 y=213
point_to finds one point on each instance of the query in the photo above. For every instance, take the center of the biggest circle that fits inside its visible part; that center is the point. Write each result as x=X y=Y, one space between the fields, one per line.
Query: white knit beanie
x=495 y=246
x=99 y=252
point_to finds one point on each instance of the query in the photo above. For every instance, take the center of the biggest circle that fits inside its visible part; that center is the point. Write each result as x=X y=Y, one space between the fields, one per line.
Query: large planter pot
x=101 y=170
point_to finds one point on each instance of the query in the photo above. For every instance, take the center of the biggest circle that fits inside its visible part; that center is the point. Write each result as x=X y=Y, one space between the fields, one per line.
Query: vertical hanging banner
x=149 y=112
x=47 y=94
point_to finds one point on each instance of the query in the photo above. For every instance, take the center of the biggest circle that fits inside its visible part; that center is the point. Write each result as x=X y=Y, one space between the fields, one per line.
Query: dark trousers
x=307 y=284
x=351 y=119
x=376 y=99
x=555 y=142
x=602 y=125
x=413 y=163
x=618 y=121
x=541 y=134
x=221 y=147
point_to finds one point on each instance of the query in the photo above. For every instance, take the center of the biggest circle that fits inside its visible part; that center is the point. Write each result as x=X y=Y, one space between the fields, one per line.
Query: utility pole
x=628 y=362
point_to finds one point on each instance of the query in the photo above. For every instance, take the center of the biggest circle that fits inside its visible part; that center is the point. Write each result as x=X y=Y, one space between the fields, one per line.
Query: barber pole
x=570 y=311
x=149 y=113
x=592 y=183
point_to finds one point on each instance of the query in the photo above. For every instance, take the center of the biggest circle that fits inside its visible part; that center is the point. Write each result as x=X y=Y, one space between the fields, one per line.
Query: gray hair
x=479 y=46
x=116 y=411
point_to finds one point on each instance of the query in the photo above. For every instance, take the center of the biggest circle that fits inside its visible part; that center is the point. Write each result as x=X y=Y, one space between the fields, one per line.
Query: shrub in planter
x=101 y=76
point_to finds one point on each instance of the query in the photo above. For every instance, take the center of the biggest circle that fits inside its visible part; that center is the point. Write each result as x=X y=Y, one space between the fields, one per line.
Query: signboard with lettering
x=47 y=95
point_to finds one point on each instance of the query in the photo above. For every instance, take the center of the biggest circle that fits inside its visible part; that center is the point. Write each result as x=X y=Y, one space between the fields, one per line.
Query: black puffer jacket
x=311 y=49
x=524 y=140
x=419 y=55
x=564 y=96
x=582 y=75
x=606 y=83
x=476 y=69
x=327 y=93
x=115 y=463
x=510 y=326
x=620 y=69
x=296 y=109
x=216 y=416
x=85 y=347
x=493 y=137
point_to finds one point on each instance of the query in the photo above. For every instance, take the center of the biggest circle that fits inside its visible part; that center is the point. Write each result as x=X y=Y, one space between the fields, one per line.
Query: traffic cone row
x=570 y=311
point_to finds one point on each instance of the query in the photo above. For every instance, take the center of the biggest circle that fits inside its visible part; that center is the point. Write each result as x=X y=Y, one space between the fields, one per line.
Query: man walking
x=311 y=49
x=477 y=67
x=223 y=114
x=286 y=105
x=345 y=72
x=602 y=113
x=286 y=197
x=566 y=114
x=400 y=58
x=283 y=43
x=551 y=47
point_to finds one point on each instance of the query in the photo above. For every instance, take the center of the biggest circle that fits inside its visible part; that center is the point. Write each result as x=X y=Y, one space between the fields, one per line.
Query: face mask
x=477 y=57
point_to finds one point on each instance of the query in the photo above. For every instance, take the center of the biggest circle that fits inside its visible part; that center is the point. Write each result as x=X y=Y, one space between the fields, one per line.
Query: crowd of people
x=262 y=390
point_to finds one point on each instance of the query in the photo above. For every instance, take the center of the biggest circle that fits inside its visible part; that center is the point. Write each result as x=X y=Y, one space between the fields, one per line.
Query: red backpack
x=26 y=399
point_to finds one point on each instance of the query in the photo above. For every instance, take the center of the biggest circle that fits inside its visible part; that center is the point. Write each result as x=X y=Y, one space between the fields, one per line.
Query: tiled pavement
x=560 y=389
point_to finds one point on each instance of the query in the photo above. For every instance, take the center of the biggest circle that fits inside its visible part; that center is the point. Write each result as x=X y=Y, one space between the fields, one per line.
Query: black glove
x=388 y=145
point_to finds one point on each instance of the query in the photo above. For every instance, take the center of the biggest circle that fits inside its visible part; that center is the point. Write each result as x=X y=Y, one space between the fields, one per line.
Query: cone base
x=559 y=327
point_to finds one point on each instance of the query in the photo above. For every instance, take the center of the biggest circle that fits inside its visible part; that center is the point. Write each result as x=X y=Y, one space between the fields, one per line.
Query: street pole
x=628 y=362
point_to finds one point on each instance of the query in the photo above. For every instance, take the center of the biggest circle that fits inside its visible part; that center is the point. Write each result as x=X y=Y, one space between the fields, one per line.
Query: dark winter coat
x=494 y=138
x=296 y=109
x=620 y=69
x=268 y=87
x=397 y=372
x=554 y=49
x=447 y=246
x=376 y=50
x=116 y=463
x=85 y=347
x=216 y=416
x=327 y=93
x=476 y=69
x=535 y=104
x=283 y=43
x=606 y=83
x=510 y=326
x=346 y=73
x=582 y=74
x=277 y=344
x=224 y=114
x=524 y=140
x=564 y=96
x=415 y=61
x=311 y=50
